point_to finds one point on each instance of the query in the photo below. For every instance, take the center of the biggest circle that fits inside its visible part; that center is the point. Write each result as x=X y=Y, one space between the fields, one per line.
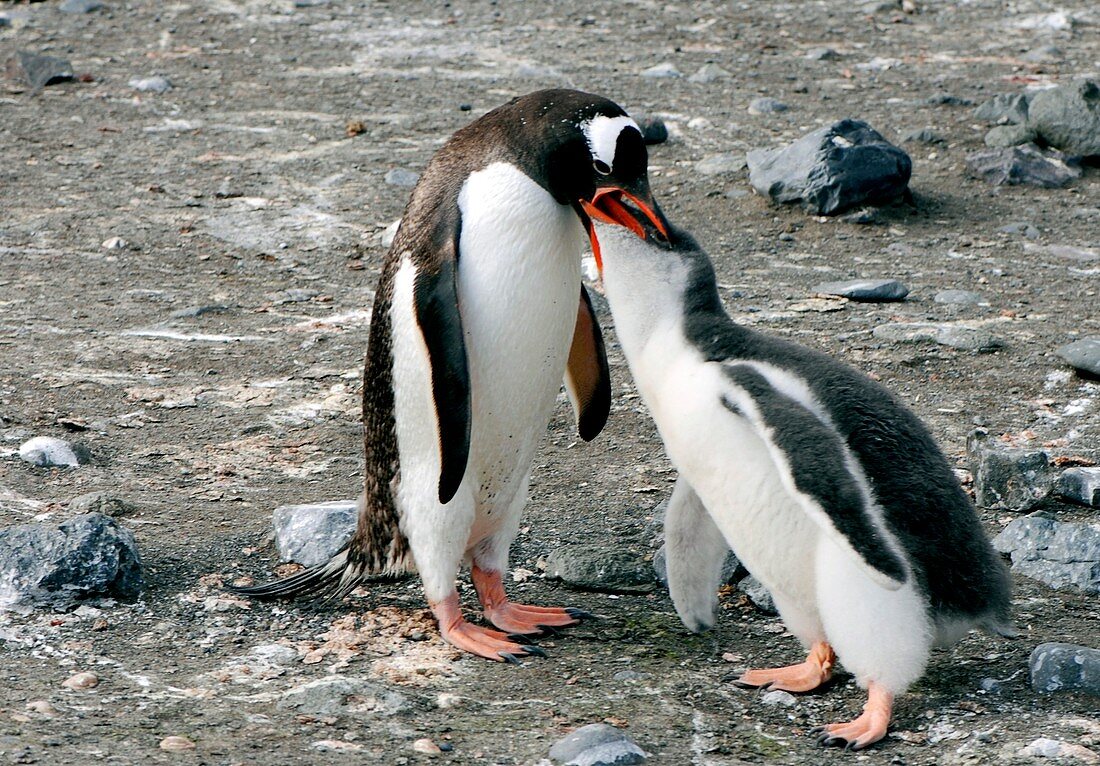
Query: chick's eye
x=601 y=167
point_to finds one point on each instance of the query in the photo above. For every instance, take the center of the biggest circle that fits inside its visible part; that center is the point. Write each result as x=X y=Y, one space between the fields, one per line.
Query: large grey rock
x=1061 y=554
x=955 y=336
x=1080 y=485
x=731 y=567
x=601 y=568
x=336 y=695
x=758 y=595
x=87 y=556
x=312 y=533
x=866 y=290
x=1004 y=108
x=1008 y=479
x=39 y=71
x=1084 y=354
x=1028 y=165
x=597 y=744
x=833 y=169
x=1057 y=667
x=1068 y=117
x=48 y=452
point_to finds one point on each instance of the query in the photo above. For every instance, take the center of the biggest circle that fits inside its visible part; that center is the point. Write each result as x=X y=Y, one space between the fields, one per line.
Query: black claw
x=851 y=746
x=547 y=631
x=579 y=614
x=535 y=650
x=510 y=658
x=517 y=638
x=817 y=730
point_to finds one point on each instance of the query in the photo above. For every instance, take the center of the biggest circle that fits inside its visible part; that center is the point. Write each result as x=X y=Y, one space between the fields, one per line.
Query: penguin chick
x=828 y=489
x=479 y=313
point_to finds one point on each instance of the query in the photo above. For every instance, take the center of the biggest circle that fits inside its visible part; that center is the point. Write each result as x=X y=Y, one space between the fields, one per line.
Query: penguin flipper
x=694 y=553
x=815 y=463
x=436 y=297
x=587 y=378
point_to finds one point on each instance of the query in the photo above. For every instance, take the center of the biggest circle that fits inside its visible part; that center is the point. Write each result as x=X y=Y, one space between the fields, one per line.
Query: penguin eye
x=601 y=167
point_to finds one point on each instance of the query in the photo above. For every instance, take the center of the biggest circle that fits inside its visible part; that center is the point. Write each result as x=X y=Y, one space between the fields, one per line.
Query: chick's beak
x=607 y=206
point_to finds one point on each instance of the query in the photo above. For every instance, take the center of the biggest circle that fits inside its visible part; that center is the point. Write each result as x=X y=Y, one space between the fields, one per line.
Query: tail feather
x=333 y=579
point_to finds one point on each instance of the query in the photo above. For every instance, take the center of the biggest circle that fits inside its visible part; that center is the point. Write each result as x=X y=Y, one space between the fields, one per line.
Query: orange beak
x=607 y=206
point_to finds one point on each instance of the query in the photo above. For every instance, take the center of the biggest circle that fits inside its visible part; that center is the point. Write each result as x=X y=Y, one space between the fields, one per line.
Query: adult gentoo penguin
x=479 y=313
x=827 y=488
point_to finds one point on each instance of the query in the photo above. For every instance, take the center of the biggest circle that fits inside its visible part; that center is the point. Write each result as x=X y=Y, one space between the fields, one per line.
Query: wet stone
x=866 y=290
x=39 y=71
x=601 y=568
x=958 y=297
x=1008 y=479
x=88 y=556
x=1027 y=164
x=758 y=595
x=47 y=452
x=955 y=336
x=1004 y=108
x=102 y=502
x=1063 y=555
x=313 y=533
x=401 y=177
x=833 y=169
x=1057 y=667
x=596 y=744
x=1068 y=117
x=1080 y=485
x=1083 y=355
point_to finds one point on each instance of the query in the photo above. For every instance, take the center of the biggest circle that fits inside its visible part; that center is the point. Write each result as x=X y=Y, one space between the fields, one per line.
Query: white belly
x=730 y=468
x=518 y=287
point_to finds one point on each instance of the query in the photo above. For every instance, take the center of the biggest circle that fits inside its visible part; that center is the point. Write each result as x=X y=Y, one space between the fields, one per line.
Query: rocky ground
x=185 y=285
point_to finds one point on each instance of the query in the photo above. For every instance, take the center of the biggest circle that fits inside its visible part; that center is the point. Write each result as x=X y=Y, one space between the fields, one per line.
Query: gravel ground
x=255 y=189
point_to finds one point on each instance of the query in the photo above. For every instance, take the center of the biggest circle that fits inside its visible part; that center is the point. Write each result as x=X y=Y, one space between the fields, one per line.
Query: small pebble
x=822 y=54
x=709 y=73
x=115 y=243
x=661 y=70
x=957 y=297
x=46 y=452
x=765 y=105
x=866 y=290
x=426 y=746
x=446 y=701
x=401 y=177
x=175 y=744
x=85 y=679
x=43 y=708
x=154 y=84
x=778 y=697
x=80 y=6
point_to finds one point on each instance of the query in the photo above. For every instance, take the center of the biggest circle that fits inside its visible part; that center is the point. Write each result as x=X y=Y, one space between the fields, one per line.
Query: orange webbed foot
x=803 y=677
x=484 y=642
x=865 y=730
x=519 y=619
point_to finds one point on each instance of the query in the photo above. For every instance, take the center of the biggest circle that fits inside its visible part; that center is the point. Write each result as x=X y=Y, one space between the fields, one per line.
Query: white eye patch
x=602 y=134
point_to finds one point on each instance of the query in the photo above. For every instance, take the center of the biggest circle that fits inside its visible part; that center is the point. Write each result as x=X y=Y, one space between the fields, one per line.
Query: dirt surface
x=242 y=183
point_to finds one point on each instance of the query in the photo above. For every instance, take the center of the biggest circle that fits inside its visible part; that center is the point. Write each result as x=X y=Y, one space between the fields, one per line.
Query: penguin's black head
x=588 y=153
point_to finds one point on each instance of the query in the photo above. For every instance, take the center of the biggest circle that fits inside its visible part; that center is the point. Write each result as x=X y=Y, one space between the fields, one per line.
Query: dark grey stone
x=337 y=695
x=731 y=567
x=48 y=452
x=866 y=290
x=766 y=105
x=1003 y=136
x=197 y=311
x=88 y=556
x=1057 y=667
x=1007 y=479
x=313 y=533
x=923 y=136
x=102 y=502
x=1080 y=485
x=601 y=568
x=1084 y=354
x=957 y=297
x=758 y=595
x=1004 y=107
x=955 y=336
x=946 y=99
x=654 y=130
x=1027 y=164
x=1068 y=117
x=39 y=71
x=81 y=6
x=833 y=169
x=401 y=177
x=596 y=744
x=1063 y=555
